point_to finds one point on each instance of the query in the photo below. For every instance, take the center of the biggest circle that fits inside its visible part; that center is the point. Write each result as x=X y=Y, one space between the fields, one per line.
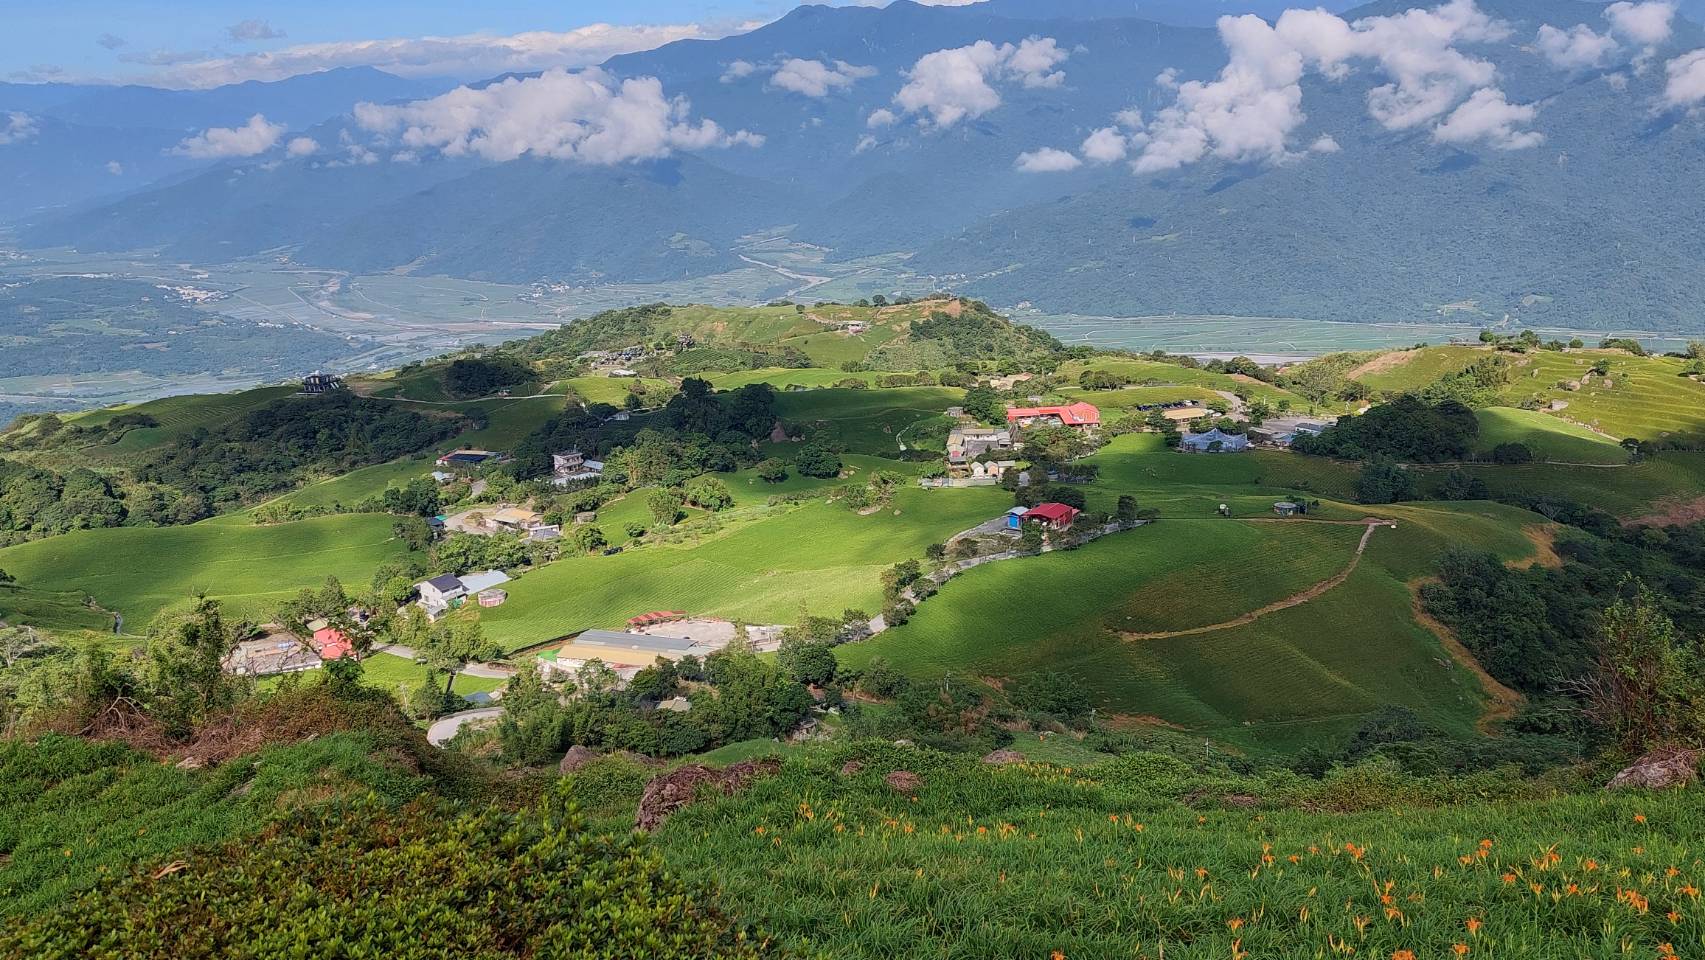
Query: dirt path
x=1296 y=600
x=1503 y=702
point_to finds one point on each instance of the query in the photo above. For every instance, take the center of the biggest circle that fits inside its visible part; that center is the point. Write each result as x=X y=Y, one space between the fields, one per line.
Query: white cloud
x=252 y=138
x=1167 y=79
x=1252 y=109
x=1648 y=24
x=467 y=56
x=250 y=31
x=1324 y=145
x=865 y=142
x=738 y=70
x=302 y=147
x=1107 y=145
x=115 y=168
x=1487 y=116
x=814 y=78
x=1047 y=160
x=1576 y=48
x=16 y=128
x=1684 y=86
x=956 y=84
x=880 y=118
x=587 y=116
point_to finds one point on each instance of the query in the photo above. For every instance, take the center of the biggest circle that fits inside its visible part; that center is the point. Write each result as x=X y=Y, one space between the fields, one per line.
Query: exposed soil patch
x=1671 y=513
x=1135 y=721
x=1544 y=539
x=1383 y=363
x=1503 y=701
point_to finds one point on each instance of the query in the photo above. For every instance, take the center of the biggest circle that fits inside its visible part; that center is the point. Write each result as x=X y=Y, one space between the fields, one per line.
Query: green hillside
x=1549 y=437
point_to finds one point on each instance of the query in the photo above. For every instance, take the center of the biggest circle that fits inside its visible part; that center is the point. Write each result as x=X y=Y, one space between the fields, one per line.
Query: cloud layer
x=814 y=78
x=586 y=116
x=252 y=138
x=1646 y=25
x=948 y=86
x=16 y=128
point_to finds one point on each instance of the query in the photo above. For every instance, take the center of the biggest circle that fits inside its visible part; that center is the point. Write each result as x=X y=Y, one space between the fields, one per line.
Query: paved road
x=489 y=671
x=445 y=728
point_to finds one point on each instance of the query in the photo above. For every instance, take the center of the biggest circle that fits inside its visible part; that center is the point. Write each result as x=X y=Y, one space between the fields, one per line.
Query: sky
x=103 y=40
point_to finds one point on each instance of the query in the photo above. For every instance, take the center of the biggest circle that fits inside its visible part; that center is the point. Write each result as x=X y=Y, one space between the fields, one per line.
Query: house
x=468 y=459
x=442 y=476
x=991 y=470
x=571 y=467
x=1214 y=441
x=1285 y=508
x=277 y=651
x=545 y=533
x=676 y=705
x=437 y=594
x=620 y=416
x=1054 y=516
x=623 y=373
x=317 y=382
x=1079 y=416
x=855 y=328
x=1015 y=518
x=331 y=643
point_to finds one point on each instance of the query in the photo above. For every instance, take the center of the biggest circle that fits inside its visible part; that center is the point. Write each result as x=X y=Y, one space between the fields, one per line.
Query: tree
x=590 y=539
x=815 y=460
x=709 y=493
x=1384 y=482
x=809 y=662
x=665 y=506
x=7 y=578
x=1650 y=683
x=772 y=470
x=1126 y=511
x=181 y=680
x=451 y=647
x=1512 y=453
x=1030 y=539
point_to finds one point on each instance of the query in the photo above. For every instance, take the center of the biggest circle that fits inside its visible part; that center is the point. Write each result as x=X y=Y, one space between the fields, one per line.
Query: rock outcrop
x=673 y=790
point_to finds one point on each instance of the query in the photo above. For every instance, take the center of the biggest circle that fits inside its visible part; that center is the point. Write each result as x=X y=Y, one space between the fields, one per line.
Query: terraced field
x=1549 y=437
x=1646 y=397
x=139 y=571
x=1269 y=684
x=814 y=558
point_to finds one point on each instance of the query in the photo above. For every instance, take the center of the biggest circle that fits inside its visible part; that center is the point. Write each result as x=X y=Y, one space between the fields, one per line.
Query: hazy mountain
x=1593 y=226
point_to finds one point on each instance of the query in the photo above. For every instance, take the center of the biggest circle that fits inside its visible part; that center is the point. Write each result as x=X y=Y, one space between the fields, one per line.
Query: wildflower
x=1639 y=818
x=1057 y=955
x=1293 y=858
x=1235 y=923
x=1473 y=924
x=1403 y=955
x=1460 y=949
x=1673 y=917
x=1590 y=865
x=1509 y=878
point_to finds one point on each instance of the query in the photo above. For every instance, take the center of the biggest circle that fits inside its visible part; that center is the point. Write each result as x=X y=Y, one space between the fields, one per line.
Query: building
x=1054 y=516
x=572 y=467
x=990 y=470
x=468 y=459
x=1285 y=508
x=655 y=617
x=492 y=598
x=331 y=643
x=545 y=533
x=478 y=582
x=515 y=519
x=1214 y=441
x=623 y=373
x=276 y=651
x=317 y=382
x=1186 y=414
x=442 y=476
x=1078 y=416
x=438 y=594
x=1015 y=518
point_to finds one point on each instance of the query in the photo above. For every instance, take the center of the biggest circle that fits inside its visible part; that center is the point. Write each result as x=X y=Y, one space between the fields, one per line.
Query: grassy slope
x=1547 y=436
x=821 y=557
x=1648 y=399
x=139 y=571
x=1406 y=370
x=1152 y=373
x=1105 y=862
x=865 y=421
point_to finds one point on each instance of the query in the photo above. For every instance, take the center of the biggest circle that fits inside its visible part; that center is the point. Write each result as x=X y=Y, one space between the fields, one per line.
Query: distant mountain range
x=1594 y=226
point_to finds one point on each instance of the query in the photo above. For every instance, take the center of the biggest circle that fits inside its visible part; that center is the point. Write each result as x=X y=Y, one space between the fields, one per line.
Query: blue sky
x=133 y=39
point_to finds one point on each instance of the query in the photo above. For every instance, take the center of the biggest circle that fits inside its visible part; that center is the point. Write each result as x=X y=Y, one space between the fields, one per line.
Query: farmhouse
x=437 y=594
x=1054 y=516
x=1079 y=416
x=570 y=467
x=317 y=383
x=1214 y=441
x=331 y=643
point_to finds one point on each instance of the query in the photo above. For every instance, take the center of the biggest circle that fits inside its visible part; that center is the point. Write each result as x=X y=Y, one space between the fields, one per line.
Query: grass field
x=1193 y=485
x=1153 y=373
x=1647 y=397
x=63 y=609
x=1273 y=684
x=817 y=558
x=610 y=390
x=1407 y=370
x=866 y=421
x=177 y=416
x=782 y=377
x=1547 y=436
x=357 y=485
x=1130 y=397
x=139 y=571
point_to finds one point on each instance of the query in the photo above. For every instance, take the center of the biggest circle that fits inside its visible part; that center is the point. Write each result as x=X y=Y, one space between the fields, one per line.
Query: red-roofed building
x=331 y=644
x=1055 y=516
x=656 y=616
x=1078 y=416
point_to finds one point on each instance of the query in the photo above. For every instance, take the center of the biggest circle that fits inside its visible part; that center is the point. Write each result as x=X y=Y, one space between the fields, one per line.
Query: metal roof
x=633 y=641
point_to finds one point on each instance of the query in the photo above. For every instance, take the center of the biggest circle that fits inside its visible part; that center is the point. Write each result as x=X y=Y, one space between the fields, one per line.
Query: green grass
x=768 y=566
x=1117 y=861
x=1154 y=373
x=357 y=485
x=140 y=571
x=62 y=609
x=510 y=421
x=1129 y=397
x=387 y=672
x=781 y=378
x=1194 y=485
x=610 y=390
x=1627 y=492
x=178 y=416
x=865 y=421
x=1648 y=397
x=1408 y=370
x=1547 y=436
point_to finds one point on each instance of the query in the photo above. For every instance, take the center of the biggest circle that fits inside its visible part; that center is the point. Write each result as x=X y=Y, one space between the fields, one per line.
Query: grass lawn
x=1193 y=485
x=816 y=558
x=781 y=378
x=865 y=421
x=139 y=571
x=1154 y=373
x=357 y=485
x=1547 y=436
x=610 y=390
x=42 y=606
x=1406 y=370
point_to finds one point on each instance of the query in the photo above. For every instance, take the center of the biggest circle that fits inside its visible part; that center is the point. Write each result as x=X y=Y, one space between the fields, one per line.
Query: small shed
x=1015 y=517
x=1285 y=508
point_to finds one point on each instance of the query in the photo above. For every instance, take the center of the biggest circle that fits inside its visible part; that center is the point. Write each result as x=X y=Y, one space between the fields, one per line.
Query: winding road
x=444 y=729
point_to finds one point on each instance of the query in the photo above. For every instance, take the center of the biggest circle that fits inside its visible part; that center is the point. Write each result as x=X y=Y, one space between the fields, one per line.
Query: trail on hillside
x=1296 y=600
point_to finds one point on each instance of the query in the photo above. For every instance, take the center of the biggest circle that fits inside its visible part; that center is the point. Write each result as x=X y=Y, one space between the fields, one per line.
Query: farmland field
x=1155 y=373
x=1193 y=485
x=813 y=558
x=1645 y=397
x=866 y=421
x=140 y=571
x=1549 y=437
